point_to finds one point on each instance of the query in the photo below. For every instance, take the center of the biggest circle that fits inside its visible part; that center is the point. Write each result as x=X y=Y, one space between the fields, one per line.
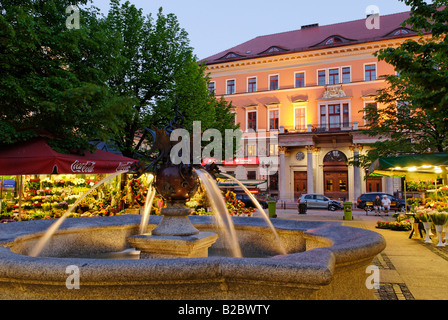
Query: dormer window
x=231 y=55
x=399 y=32
x=333 y=40
x=273 y=49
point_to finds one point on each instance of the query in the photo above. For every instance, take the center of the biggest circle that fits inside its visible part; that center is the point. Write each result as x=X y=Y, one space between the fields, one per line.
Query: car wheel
x=332 y=207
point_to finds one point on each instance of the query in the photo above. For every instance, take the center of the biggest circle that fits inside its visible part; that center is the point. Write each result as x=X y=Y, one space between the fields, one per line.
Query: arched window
x=335 y=156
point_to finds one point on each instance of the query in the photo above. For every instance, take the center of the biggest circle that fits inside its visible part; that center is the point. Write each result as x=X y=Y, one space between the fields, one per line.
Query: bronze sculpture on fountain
x=175 y=236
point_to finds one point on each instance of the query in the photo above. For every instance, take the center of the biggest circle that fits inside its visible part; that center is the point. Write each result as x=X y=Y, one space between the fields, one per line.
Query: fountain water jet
x=220 y=210
x=147 y=208
x=262 y=212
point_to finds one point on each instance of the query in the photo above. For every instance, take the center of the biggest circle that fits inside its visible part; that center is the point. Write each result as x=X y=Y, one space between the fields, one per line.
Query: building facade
x=299 y=98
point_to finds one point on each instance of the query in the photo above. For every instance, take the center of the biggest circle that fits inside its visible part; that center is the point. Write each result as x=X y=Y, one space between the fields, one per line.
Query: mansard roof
x=314 y=37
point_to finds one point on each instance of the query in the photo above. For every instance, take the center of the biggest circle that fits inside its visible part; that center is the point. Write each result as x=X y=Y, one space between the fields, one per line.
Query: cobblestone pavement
x=409 y=268
x=389 y=290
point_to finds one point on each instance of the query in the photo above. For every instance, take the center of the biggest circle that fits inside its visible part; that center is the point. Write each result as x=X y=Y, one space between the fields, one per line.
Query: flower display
x=439 y=218
x=404 y=225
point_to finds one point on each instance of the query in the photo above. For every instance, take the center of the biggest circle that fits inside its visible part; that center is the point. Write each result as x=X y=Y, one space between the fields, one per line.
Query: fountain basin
x=326 y=261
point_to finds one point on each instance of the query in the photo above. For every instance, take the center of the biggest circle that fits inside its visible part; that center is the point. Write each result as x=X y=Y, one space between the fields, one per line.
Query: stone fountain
x=323 y=260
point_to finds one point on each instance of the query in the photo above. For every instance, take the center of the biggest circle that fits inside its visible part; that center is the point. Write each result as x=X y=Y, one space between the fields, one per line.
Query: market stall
x=47 y=182
x=426 y=176
x=423 y=174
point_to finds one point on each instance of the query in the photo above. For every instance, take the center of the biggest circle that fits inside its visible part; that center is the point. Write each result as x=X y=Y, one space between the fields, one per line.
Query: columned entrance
x=335 y=175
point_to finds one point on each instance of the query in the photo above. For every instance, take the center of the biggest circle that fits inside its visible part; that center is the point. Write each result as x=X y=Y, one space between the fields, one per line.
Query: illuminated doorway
x=335 y=175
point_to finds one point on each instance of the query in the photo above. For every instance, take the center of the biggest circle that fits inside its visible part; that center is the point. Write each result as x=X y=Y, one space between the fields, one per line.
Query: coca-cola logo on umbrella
x=124 y=166
x=85 y=167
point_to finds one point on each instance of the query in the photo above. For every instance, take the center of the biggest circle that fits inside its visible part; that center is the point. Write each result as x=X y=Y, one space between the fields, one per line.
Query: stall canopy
x=37 y=157
x=399 y=166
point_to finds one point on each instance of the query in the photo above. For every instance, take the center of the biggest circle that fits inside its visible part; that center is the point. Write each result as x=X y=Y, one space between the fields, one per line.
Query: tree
x=415 y=116
x=157 y=70
x=52 y=78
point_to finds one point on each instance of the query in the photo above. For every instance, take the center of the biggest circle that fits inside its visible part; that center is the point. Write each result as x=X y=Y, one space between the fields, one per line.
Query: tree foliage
x=50 y=77
x=117 y=74
x=415 y=116
x=158 y=70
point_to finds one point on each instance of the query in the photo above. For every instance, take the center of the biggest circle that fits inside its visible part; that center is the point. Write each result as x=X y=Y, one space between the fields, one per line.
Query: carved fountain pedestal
x=175 y=236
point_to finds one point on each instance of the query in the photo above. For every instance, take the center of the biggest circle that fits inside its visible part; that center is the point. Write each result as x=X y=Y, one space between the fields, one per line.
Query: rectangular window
x=300 y=79
x=329 y=185
x=251 y=150
x=251 y=175
x=211 y=87
x=334 y=116
x=252 y=85
x=321 y=78
x=273 y=119
x=252 y=120
x=333 y=76
x=370 y=72
x=230 y=86
x=273 y=149
x=323 y=118
x=273 y=82
x=346 y=75
x=371 y=105
x=345 y=115
x=300 y=119
x=234 y=115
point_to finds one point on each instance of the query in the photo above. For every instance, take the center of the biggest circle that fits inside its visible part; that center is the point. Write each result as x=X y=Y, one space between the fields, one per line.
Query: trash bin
x=348 y=211
x=302 y=208
x=272 y=209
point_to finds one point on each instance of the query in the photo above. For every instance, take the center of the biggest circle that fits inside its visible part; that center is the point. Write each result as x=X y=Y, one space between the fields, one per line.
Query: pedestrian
x=377 y=205
x=386 y=204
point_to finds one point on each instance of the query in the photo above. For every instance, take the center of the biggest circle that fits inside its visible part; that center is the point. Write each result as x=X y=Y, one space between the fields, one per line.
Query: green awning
x=401 y=165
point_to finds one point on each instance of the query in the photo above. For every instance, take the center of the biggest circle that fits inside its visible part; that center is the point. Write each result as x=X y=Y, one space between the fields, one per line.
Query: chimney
x=309 y=26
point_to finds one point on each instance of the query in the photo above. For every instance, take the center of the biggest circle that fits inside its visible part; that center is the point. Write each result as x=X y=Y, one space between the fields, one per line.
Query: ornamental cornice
x=307 y=56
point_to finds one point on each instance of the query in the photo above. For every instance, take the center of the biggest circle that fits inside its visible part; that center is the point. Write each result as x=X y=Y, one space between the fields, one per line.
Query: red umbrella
x=37 y=157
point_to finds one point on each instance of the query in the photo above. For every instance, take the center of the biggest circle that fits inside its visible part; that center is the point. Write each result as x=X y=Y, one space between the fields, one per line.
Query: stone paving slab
x=409 y=268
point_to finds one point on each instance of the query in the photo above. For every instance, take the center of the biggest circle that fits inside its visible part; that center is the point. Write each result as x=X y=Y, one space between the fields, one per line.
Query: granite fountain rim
x=345 y=245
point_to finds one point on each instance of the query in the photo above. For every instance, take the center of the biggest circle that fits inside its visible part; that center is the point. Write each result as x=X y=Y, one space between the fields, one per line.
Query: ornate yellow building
x=302 y=93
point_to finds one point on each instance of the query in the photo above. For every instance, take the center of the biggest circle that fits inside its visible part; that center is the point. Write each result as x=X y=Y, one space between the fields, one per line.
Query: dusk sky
x=214 y=26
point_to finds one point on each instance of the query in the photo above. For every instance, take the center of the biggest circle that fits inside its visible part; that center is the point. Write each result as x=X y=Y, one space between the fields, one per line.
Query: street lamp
x=265 y=166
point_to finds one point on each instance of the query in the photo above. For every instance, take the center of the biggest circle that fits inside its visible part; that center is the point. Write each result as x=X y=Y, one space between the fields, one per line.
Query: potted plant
x=439 y=219
x=424 y=218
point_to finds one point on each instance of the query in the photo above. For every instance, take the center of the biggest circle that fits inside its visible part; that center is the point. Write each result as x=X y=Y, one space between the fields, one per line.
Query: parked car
x=248 y=203
x=318 y=201
x=365 y=201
